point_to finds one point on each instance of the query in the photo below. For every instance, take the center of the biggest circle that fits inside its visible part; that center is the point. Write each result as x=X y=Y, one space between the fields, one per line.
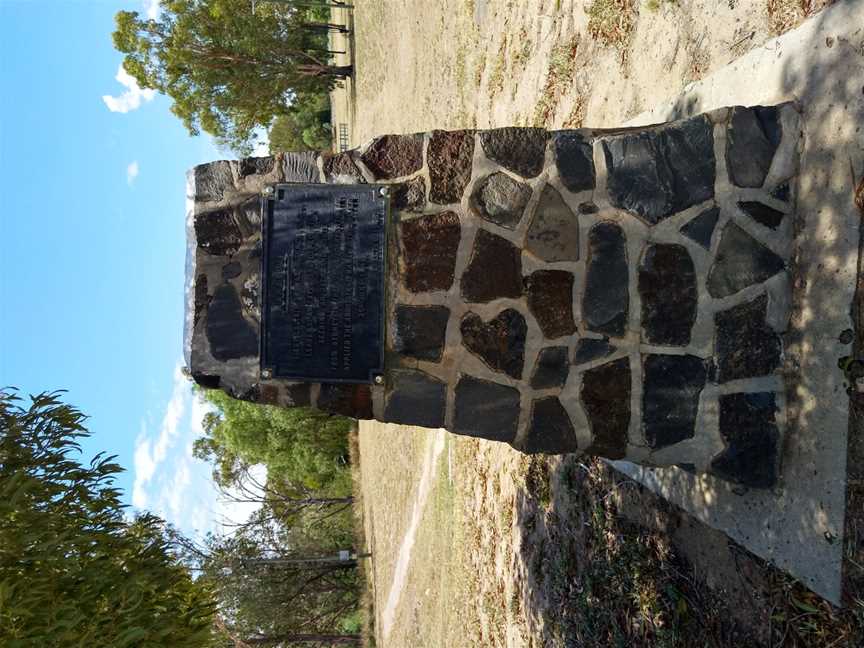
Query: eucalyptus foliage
x=304 y=450
x=229 y=69
x=74 y=571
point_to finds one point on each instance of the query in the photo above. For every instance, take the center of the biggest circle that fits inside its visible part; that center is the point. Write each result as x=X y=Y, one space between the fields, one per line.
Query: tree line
x=77 y=569
x=235 y=67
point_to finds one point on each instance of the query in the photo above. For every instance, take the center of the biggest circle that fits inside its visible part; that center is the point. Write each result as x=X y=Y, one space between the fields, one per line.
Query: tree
x=73 y=570
x=273 y=591
x=304 y=450
x=305 y=126
x=228 y=70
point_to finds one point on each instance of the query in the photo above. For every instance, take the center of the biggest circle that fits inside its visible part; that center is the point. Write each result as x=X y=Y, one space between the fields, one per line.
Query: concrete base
x=799 y=525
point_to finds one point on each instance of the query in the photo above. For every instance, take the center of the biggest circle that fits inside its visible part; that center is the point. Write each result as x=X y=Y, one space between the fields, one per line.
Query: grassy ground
x=519 y=551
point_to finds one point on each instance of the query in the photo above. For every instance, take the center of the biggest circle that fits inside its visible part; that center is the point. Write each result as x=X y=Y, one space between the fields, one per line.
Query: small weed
x=537 y=480
x=562 y=66
x=520 y=58
x=654 y=5
x=784 y=15
x=612 y=22
x=460 y=66
x=576 y=116
x=496 y=80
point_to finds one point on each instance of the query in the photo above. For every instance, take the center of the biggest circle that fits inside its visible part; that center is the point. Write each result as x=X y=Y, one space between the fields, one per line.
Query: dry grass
x=496 y=80
x=784 y=15
x=367 y=594
x=562 y=66
x=612 y=22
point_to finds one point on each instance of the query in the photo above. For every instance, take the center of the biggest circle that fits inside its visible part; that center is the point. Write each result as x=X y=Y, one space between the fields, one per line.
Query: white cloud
x=132 y=98
x=148 y=455
x=152 y=9
x=175 y=485
x=132 y=172
x=144 y=469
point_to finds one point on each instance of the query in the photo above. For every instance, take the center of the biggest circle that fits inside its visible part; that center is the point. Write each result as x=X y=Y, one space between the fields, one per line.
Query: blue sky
x=92 y=254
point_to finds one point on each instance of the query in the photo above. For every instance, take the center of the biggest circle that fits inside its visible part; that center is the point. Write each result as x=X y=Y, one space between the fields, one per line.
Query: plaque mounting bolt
x=269 y=191
x=384 y=191
x=378 y=380
x=266 y=374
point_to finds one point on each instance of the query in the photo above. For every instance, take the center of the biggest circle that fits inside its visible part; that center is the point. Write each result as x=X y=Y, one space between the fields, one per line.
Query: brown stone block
x=428 y=251
x=394 y=156
x=550 y=300
x=499 y=343
x=347 y=400
x=450 y=156
x=495 y=270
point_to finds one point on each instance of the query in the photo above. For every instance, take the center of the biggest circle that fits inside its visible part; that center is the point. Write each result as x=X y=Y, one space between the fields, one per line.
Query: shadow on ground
x=608 y=563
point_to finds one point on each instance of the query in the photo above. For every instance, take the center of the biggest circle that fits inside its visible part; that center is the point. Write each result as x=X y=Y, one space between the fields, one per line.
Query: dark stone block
x=575 y=161
x=342 y=164
x=550 y=300
x=211 y=180
x=551 y=368
x=207 y=381
x=501 y=200
x=429 y=245
x=202 y=298
x=231 y=270
x=740 y=261
x=500 y=343
x=297 y=395
x=588 y=349
x=751 y=142
x=450 y=157
x=606 y=399
x=248 y=215
x=228 y=332
x=256 y=165
x=746 y=346
x=486 y=409
x=217 y=232
x=520 y=150
x=409 y=196
x=346 y=400
x=659 y=172
x=269 y=395
x=701 y=228
x=763 y=214
x=394 y=156
x=554 y=231
x=606 y=303
x=495 y=270
x=301 y=167
x=670 y=397
x=782 y=191
x=421 y=331
x=551 y=430
x=747 y=425
x=415 y=399
x=667 y=285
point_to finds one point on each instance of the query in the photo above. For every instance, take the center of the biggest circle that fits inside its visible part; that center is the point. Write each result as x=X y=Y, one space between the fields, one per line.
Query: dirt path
x=403 y=560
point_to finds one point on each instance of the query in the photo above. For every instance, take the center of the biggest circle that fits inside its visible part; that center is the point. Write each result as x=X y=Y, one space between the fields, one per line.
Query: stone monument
x=622 y=293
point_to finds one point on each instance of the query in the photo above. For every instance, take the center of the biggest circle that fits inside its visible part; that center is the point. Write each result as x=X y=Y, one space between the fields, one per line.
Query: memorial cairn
x=621 y=293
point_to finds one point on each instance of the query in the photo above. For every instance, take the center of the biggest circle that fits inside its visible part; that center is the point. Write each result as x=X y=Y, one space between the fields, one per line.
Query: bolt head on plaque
x=378 y=380
x=266 y=374
x=384 y=191
x=268 y=191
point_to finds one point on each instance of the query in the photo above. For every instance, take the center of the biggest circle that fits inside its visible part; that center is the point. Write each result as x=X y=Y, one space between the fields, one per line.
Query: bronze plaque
x=322 y=302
